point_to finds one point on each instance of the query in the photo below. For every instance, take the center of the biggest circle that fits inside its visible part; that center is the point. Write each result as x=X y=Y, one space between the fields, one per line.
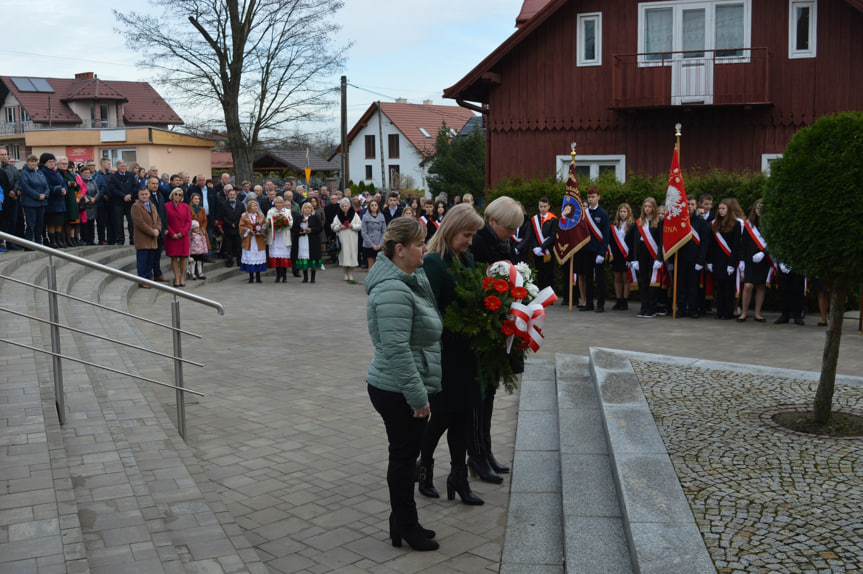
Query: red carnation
x=508 y=328
x=501 y=286
x=487 y=283
x=492 y=303
x=519 y=293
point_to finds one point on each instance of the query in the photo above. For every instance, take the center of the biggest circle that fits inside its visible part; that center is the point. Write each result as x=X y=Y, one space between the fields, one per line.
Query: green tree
x=458 y=164
x=813 y=221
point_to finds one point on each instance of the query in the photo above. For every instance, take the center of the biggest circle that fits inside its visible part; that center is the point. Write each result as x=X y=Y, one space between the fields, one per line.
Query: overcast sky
x=402 y=48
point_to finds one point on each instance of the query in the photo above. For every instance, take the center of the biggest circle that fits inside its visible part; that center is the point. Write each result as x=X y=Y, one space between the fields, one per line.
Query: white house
x=390 y=140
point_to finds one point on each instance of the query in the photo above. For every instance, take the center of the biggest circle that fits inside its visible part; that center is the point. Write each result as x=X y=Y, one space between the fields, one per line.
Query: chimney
x=428 y=102
x=401 y=100
x=84 y=76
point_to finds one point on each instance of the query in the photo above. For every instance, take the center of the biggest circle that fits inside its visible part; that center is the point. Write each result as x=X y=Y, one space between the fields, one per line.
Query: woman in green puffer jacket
x=405 y=327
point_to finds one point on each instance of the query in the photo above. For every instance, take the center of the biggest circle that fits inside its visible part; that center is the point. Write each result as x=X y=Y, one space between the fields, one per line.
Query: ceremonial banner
x=676 y=229
x=573 y=232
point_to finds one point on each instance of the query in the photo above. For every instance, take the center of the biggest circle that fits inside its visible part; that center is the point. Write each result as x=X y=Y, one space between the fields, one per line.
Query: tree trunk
x=824 y=394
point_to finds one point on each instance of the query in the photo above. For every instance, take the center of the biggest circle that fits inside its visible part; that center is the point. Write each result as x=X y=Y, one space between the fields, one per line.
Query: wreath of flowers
x=280 y=221
x=500 y=311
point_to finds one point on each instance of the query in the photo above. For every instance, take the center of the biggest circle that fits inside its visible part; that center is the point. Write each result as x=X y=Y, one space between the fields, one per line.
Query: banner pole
x=570 y=284
x=860 y=318
x=677 y=134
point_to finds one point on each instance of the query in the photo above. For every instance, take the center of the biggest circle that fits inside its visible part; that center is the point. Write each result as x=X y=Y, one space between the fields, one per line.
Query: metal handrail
x=111 y=271
x=55 y=325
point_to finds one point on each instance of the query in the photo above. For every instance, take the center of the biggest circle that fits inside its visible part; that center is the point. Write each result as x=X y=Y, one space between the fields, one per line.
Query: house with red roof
x=616 y=76
x=391 y=139
x=86 y=117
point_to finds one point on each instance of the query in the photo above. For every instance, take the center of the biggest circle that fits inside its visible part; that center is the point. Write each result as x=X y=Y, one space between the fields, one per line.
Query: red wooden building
x=615 y=76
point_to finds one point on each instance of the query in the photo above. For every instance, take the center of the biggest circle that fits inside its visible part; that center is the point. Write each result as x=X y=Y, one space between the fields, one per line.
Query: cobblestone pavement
x=766 y=499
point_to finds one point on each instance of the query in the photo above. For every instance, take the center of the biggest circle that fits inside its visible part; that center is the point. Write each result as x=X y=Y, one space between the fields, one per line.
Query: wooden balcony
x=720 y=78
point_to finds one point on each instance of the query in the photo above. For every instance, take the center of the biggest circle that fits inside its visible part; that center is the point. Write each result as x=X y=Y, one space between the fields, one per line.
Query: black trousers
x=791 y=287
x=544 y=271
x=405 y=435
x=723 y=294
x=687 y=287
x=232 y=246
x=119 y=211
x=104 y=222
x=479 y=437
x=649 y=295
x=456 y=426
x=593 y=270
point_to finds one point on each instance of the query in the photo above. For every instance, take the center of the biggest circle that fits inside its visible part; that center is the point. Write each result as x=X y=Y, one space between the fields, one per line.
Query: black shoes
x=425 y=476
x=497 y=466
x=480 y=467
x=457 y=482
x=586 y=308
x=417 y=537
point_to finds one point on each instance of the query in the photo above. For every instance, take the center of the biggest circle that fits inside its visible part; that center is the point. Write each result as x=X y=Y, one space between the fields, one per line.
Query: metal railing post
x=178 y=368
x=54 y=315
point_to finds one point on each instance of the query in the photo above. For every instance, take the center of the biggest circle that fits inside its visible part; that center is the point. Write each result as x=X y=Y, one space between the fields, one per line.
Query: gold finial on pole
x=572 y=153
x=677 y=133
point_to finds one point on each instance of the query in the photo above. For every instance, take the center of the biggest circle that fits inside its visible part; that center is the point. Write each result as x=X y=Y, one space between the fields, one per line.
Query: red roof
x=142 y=105
x=221 y=160
x=409 y=118
x=529 y=10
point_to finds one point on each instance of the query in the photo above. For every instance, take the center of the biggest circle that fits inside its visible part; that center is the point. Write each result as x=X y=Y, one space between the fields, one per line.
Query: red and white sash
x=650 y=243
x=696 y=237
x=594 y=230
x=761 y=244
x=537 y=229
x=619 y=236
x=436 y=223
x=722 y=243
x=424 y=220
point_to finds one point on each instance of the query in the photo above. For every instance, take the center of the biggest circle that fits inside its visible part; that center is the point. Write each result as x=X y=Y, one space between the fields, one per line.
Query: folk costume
x=306 y=244
x=279 y=243
x=347 y=226
x=254 y=258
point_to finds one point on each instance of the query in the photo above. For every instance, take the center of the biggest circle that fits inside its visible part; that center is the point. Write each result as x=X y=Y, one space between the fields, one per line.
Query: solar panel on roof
x=33 y=85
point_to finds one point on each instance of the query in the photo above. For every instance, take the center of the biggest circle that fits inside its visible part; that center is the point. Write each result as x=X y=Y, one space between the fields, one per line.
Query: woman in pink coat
x=177 y=240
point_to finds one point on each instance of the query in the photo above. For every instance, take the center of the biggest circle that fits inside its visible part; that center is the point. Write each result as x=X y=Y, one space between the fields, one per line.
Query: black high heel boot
x=457 y=482
x=495 y=465
x=251 y=277
x=305 y=276
x=258 y=277
x=278 y=274
x=425 y=475
x=416 y=537
x=313 y=275
x=480 y=467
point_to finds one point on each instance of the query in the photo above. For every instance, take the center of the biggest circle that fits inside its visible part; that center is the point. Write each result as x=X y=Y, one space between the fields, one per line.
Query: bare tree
x=265 y=63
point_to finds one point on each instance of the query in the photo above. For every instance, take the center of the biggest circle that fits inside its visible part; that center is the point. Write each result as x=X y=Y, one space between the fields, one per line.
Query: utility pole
x=345 y=174
x=381 y=136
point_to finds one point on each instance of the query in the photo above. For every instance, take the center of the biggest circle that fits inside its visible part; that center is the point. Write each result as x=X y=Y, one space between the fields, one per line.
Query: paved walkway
x=297 y=455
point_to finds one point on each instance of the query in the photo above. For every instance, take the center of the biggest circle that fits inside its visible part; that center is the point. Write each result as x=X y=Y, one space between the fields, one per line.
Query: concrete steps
x=127 y=487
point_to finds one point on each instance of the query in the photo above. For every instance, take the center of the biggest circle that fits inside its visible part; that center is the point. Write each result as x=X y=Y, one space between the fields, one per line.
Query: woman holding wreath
x=254 y=259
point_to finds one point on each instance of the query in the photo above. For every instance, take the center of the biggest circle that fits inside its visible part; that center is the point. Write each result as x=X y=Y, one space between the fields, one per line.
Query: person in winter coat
x=55 y=213
x=90 y=198
x=148 y=226
x=346 y=225
x=177 y=241
x=373 y=228
x=405 y=328
x=34 y=199
x=252 y=232
x=461 y=391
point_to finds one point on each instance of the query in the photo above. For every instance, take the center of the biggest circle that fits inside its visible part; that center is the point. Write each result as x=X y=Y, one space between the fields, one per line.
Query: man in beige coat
x=148 y=227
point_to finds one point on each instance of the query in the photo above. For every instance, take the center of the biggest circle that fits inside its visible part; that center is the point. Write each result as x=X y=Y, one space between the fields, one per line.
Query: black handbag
x=333 y=247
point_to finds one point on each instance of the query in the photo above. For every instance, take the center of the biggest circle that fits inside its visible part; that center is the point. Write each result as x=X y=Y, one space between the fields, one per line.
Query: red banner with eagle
x=676 y=228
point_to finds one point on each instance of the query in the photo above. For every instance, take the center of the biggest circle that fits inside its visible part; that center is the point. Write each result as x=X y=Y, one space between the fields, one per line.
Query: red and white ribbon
x=527 y=318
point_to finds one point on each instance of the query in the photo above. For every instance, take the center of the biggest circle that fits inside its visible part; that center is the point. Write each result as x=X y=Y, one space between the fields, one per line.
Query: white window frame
x=595 y=17
x=594 y=162
x=10 y=115
x=116 y=154
x=766 y=160
x=793 y=52
x=677 y=7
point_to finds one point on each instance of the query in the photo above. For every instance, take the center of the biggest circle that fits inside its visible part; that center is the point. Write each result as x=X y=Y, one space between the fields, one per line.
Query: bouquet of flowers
x=280 y=221
x=501 y=313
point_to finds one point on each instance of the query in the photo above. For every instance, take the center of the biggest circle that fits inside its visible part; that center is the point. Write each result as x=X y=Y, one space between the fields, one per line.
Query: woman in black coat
x=724 y=256
x=757 y=265
x=461 y=392
x=646 y=257
x=306 y=242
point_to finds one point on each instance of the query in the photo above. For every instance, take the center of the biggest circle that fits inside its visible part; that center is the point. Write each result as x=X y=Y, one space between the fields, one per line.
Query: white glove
x=784 y=268
x=758 y=257
x=657 y=265
x=742 y=266
x=730 y=270
x=599 y=259
x=634 y=265
x=537 y=251
x=710 y=267
x=698 y=267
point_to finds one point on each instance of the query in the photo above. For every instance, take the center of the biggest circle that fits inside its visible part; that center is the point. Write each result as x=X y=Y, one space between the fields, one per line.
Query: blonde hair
x=402 y=231
x=462 y=217
x=629 y=218
x=505 y=211
x=175 y=191
x=654 y=218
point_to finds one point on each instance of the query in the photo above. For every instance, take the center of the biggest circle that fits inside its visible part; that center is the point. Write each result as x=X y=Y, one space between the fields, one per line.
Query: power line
x=371 y=92
x=57 y=57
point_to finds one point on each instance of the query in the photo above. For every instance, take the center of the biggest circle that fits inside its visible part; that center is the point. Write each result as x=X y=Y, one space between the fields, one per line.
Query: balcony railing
x=16 y=128
x=707 y=77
